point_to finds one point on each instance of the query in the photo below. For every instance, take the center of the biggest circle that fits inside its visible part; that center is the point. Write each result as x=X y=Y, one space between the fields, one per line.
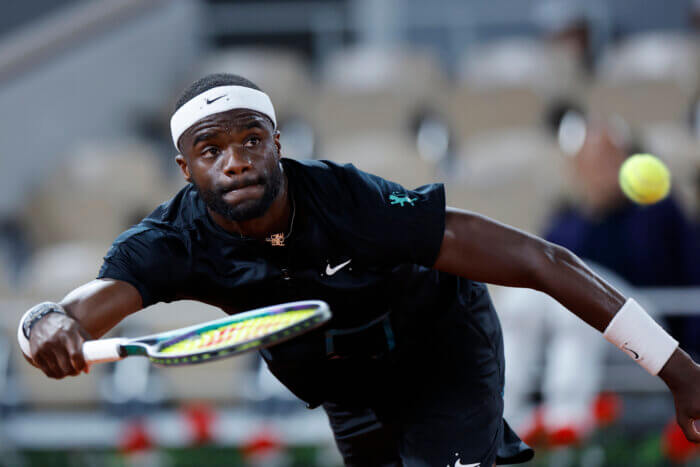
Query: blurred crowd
x=529 y=130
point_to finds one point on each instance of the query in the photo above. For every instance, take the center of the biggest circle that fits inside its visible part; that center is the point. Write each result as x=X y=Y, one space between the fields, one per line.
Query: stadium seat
x=392 y=155
x=55 y=270
x=508 y=84
x=653 y=56
x=96 y=194
x=512 y=176
x=648 y=78
x=283 y=75
x=475 y=111
x=377 y=89
x=549 y=69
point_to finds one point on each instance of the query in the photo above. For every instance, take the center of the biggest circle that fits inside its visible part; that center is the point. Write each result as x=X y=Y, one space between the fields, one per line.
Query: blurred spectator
x=567 y=23
x=647 y=245
x=637 y=246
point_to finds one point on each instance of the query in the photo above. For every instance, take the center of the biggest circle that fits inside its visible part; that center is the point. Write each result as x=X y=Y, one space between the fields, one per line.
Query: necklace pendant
x=276 y=239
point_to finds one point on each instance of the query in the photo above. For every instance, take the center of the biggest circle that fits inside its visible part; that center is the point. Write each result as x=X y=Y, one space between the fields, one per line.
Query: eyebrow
x=202 y=137
x=253 y=123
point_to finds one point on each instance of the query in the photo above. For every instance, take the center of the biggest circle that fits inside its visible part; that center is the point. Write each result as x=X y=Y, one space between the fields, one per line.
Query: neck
x=275 y=220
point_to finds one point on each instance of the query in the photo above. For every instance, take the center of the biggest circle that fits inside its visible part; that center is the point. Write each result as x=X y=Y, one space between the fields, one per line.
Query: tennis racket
x=216 y=339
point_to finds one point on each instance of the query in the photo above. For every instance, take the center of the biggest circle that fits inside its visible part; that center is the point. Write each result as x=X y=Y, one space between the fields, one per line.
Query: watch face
x=38 y=312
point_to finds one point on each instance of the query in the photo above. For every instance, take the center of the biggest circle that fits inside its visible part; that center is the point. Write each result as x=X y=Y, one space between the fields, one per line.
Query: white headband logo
x=217 y=100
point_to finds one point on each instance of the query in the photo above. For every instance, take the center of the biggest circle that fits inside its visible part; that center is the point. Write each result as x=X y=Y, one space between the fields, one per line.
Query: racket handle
x=102 y=350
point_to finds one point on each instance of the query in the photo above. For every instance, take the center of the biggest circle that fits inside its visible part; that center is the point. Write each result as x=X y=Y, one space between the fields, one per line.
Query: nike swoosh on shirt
x=459 y=464
x=215 y=99
x=332 y=270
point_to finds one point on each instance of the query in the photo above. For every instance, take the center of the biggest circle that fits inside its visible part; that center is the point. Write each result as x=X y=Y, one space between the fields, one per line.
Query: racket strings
x=236 y=333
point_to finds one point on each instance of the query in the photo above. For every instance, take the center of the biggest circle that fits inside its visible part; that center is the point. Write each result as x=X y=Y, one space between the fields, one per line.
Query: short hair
x=212 y=81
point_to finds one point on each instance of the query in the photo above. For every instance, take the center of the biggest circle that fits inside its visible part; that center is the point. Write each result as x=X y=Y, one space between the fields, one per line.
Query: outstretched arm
x=91 y=310
x=484 y=250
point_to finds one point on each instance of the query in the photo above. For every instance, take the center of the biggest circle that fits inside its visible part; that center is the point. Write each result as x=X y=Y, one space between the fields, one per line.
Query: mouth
x=236 y=195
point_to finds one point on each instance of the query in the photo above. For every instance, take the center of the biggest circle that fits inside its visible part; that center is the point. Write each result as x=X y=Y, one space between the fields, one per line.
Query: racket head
x=236 y=334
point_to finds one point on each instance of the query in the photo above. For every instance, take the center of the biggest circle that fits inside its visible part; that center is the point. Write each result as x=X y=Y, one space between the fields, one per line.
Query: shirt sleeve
x=150 y=260
x=383 y=221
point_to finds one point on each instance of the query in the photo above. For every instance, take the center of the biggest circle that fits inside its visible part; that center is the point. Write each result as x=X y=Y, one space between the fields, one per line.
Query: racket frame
x=105 y=350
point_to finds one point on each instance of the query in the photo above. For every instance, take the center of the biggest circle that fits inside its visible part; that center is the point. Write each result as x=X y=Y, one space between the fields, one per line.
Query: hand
x=682 y=375
x=56 y=343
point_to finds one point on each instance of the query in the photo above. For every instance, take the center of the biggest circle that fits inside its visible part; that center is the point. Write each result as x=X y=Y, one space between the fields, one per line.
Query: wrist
x=31 y=318
x=676 y=369
x=633 y=331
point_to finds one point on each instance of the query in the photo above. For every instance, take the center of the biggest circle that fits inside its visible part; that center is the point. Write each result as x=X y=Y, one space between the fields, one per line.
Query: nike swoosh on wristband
x=332 y=270
x=458 y=463
x=215 y=99
x=635 y=355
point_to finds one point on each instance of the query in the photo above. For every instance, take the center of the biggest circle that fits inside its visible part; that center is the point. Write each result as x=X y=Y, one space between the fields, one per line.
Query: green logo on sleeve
x=398 y=198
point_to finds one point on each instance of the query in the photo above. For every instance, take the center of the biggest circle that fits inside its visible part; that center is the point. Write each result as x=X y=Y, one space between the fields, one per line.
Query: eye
x=252 y=142
x=211 y=151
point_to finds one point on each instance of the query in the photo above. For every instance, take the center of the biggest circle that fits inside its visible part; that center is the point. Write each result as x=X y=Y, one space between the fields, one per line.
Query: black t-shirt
x=363 y=244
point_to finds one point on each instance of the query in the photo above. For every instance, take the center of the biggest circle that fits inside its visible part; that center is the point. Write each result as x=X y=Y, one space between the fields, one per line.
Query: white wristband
x=640 y=337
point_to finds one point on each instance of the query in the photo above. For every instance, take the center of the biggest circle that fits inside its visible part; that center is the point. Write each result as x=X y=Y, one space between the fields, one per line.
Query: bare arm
x=101 y=304
x=487 y=251
x=93 y=309
x=481 y=249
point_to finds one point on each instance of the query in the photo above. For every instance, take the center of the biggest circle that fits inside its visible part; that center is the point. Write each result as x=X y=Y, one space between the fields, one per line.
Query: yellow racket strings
x=239 y=332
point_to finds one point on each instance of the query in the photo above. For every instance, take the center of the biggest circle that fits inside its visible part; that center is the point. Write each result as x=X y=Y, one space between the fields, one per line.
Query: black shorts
x=441 y=404
x=432 y=436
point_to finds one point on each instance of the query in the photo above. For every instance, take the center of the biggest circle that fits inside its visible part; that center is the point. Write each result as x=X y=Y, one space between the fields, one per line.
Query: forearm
x=563 y=276
x=481 y=249
x=101 y=304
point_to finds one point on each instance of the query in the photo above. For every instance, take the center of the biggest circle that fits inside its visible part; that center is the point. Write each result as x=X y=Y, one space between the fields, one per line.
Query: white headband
x=217 y=100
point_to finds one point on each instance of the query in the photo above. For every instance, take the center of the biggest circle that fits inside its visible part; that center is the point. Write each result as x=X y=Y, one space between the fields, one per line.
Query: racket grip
x=102 y=350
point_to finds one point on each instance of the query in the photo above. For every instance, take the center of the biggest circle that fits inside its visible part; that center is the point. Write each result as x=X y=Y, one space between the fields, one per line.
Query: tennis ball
x=645 y=179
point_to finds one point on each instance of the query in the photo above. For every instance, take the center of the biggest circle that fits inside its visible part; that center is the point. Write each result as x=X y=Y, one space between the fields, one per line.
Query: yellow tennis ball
x=645 y=179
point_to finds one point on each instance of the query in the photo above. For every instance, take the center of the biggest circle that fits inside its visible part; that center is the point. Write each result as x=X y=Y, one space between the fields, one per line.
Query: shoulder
x=336 y=181
x=179 y=213
x=319 y=172
x=163 y=230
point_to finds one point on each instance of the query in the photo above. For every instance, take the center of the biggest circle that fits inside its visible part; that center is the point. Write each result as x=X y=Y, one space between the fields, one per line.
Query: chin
x=244 y=211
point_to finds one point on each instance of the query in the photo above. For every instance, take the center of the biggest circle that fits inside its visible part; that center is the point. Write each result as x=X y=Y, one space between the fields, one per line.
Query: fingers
x=74 y=348
x=56 y=344
x=691 y=429
x=60 y=359
x=47 y=363
x=65 y=362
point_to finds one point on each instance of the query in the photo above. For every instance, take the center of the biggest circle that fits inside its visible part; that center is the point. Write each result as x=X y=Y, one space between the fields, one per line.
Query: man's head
x=224 y=128
x=597 y=163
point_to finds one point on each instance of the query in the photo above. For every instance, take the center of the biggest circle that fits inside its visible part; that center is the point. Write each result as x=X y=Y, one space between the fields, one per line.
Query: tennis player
x=410 y=370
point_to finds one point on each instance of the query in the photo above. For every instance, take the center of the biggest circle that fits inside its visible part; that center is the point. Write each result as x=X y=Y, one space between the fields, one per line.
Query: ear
x=276 y=136
x=183 y=167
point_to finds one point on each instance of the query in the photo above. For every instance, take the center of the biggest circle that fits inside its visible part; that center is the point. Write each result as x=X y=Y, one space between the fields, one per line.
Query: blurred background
x=524 y=109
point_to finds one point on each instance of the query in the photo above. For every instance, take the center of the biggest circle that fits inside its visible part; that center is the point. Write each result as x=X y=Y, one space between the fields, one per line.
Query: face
x=596 y=167
x=232 y=158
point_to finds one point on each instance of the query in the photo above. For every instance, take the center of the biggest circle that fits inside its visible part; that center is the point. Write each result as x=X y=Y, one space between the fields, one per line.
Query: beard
x=250 y=209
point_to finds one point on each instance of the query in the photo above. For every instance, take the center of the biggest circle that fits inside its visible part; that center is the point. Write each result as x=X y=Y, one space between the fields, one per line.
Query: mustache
x=241 y=183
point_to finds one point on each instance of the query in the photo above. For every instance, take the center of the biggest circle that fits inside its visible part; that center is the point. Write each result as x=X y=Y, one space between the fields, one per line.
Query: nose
x=235 y=162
